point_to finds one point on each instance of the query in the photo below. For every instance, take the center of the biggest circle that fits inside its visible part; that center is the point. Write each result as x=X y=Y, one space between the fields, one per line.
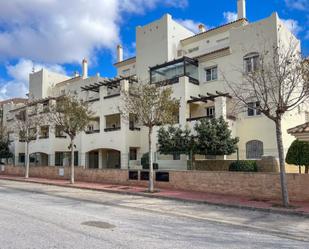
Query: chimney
x=85 y=69
x=119 y=53
x=241 y=9
x=201 y=28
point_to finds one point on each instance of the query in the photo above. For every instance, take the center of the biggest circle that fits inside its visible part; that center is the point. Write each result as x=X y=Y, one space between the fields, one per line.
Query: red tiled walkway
x=301 y=208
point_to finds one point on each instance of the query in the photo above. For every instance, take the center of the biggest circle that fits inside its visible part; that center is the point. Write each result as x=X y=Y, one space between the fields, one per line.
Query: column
x=124 y=159
x=51 y=159
x=220 y=110
x=220 y=107
x=83 y=160
x=100 y=155
x=184 y=107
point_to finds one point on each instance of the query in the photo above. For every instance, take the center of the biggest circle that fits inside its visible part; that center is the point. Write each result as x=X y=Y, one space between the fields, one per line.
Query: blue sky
x=57 y=34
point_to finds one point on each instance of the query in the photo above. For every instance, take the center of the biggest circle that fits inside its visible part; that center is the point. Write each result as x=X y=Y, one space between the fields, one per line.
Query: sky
x=58 y=34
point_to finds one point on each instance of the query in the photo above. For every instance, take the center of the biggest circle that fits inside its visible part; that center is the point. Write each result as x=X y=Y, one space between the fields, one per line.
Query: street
x=42 y=216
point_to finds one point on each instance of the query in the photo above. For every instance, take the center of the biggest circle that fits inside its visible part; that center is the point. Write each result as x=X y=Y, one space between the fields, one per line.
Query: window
x=251 y=62
x=59 y=158
x=21 y=157
x=133 y=154
x=254 y=149
x=211 y=73
x=76 y=158
x=32 y=133
x=210 y=112
x=253 y=109
x=60 y=155
x=22 y=136
x=59 y=132
x=90 y=127
x=44 y=132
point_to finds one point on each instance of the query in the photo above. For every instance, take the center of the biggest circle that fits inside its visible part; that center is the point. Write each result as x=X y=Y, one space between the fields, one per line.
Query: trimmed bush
x=243 y=166
x=145 y=162
x=298 y=154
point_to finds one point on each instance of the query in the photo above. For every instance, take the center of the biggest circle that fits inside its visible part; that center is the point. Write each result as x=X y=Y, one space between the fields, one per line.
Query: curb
x=266 y=210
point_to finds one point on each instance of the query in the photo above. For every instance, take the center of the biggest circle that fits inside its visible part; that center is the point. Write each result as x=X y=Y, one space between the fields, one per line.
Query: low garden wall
x=253 y=185
x=266 y=164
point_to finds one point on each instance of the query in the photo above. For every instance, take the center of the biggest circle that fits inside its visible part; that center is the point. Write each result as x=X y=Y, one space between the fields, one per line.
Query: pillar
x=100 y=155
x=220 y=107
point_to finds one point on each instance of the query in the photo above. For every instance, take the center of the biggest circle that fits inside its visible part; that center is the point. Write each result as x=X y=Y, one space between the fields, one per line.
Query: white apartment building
x=192 y=64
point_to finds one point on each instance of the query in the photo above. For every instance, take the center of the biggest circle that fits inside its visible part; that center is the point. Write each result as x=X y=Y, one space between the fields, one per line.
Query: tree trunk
x=72 y=161
x=27 y=160
x=299 y=169
x=284 y=187
x=151 y=183
x=306 y=169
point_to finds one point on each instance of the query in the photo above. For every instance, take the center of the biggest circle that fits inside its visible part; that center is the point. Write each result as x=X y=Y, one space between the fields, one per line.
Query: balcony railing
x=112 y=129
x=92 y=131
x=112 y=95
x=199 y=118
x=134 y=128
x=44 y=137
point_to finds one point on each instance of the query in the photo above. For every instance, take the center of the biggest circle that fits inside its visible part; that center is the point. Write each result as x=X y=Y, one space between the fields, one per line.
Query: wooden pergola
x=208 y=97
x=109 y=83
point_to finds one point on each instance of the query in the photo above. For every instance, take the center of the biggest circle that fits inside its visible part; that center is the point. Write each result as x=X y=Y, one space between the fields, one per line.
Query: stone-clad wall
x=253 y=185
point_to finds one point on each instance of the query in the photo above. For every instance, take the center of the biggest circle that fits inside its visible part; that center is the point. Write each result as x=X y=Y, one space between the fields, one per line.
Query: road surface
x=41 y=216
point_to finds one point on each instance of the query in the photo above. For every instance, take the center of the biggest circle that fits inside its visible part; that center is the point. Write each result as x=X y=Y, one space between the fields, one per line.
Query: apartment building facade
x=193 y=65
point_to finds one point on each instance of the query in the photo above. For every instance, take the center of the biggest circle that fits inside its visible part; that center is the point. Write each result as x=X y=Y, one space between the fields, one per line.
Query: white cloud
x=230 y=16
x=19 y=74
x=292 y=25
x=190 y=24
x=298 y=4
x=55 y=31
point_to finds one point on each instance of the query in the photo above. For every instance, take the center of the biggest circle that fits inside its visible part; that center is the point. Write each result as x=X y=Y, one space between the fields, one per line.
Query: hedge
x=243 y=166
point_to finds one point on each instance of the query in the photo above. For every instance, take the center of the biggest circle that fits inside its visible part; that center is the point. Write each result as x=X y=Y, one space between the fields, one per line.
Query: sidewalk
x=298 y=208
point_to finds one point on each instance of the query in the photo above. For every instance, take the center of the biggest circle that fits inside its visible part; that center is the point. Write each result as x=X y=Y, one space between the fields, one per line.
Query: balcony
x=93 y=97
x=94 y=126
x=112 y=122
x=44 y=133
x=59 y=132
x=199 y=118
x=112 y=129
x=133 y=123
x=113 y=91
x=170 y=72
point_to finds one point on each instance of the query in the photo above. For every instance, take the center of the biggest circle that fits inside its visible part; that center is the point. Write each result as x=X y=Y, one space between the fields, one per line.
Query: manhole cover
x=99 y=224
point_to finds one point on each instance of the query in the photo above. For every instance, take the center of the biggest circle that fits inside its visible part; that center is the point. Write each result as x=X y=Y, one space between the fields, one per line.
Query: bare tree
x=275 y=80
x=152 y=106
x=26 y=126
x=72 y=116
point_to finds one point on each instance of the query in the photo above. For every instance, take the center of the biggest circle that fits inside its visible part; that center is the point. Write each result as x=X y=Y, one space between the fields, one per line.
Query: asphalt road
x=40 y=216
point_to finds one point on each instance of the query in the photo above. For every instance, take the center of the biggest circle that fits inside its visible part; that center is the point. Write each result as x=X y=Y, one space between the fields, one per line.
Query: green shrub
x=243 y=166
x=145 y=162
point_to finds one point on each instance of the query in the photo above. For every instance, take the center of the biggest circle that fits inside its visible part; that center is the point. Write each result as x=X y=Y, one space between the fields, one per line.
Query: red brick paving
x=224 y=200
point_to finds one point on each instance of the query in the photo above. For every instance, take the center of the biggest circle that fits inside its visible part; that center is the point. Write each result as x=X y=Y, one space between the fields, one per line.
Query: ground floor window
x=60 y=155
x=254 y=149
x=21 y=157
x=133 y=154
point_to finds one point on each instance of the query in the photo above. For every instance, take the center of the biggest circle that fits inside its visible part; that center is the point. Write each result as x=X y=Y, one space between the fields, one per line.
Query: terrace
x=170 y=72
